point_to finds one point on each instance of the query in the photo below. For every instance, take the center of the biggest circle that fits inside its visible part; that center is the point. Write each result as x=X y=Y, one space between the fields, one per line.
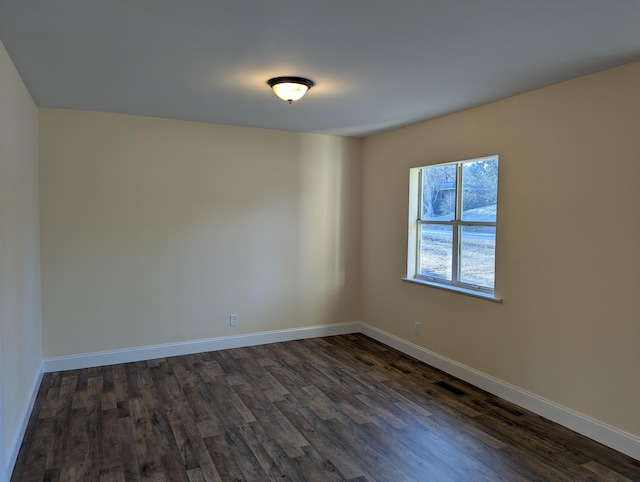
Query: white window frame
x=415 y=221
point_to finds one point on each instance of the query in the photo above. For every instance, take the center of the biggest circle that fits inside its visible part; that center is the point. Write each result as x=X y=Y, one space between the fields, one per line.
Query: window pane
x=480 y=190
x=477 y=255
x=438 y=193
x=436 y=249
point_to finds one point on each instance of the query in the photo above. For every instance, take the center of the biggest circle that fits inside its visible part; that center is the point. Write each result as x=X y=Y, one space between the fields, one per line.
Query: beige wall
x=20 y=340
x=154 y=231
x=568 y=255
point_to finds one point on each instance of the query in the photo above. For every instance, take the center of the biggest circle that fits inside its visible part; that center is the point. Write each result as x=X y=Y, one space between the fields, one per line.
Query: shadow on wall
x=329 y=197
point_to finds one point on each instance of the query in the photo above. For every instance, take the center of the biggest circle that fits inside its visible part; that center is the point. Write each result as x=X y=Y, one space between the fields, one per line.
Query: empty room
x=360 y=240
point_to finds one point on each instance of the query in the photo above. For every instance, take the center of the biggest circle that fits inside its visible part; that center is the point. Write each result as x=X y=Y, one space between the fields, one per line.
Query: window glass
x=480 y=190
x=436 y=251
x=478 y=255
x=439 y=193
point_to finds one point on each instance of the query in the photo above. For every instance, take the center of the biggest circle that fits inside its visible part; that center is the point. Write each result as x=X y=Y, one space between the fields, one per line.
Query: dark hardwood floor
x=324 y=409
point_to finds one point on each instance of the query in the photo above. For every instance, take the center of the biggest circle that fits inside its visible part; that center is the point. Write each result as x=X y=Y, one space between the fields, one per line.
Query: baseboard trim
x=14 y=448
x=578 y=422
x=151 y=352
x=600 y=432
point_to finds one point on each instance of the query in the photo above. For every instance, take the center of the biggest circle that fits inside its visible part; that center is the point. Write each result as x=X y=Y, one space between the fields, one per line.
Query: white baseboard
x=14 y=448
x=150 y=352
x=600 y=432
x=587 y=426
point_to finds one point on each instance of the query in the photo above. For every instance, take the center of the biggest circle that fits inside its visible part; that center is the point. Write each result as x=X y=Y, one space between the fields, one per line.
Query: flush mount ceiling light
x=290 y=88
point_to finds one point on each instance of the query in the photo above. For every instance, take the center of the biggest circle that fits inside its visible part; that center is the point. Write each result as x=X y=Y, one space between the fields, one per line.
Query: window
x=452 y=225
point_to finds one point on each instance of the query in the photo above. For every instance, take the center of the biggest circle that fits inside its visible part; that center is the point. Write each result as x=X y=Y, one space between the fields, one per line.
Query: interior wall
x=567 y=262
x=20 y=333
x=155 y=231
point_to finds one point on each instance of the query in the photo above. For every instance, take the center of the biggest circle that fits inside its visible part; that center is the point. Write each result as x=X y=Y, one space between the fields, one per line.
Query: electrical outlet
x=233 y=319
x=417 y=328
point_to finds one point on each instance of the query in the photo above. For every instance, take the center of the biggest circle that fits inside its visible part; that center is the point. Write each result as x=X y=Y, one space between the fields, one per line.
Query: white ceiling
x=378 y=64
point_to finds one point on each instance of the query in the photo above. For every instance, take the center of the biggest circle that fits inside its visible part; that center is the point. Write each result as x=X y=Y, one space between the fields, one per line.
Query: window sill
x=455 y=289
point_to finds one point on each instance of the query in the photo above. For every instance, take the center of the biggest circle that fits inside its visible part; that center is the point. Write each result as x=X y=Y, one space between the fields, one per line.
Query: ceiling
x=377 y=64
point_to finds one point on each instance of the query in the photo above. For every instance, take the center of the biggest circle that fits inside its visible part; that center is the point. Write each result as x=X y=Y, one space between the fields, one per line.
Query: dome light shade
x=290 y=88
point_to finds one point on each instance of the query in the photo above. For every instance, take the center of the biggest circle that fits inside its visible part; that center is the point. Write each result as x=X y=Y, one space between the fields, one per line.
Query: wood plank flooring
x=336 y=408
